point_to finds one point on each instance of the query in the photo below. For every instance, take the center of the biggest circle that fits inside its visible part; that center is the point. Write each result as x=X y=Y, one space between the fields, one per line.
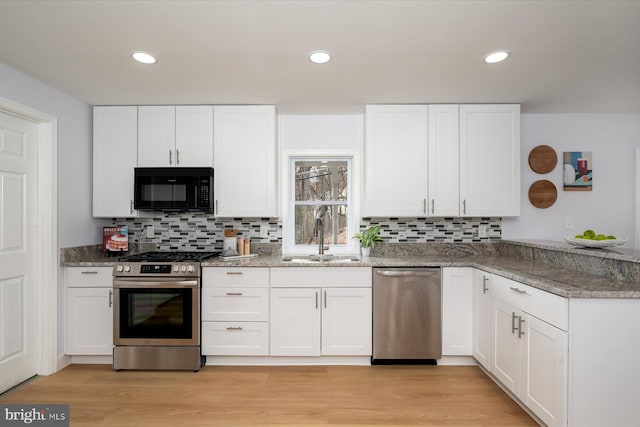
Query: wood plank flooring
x=301 y=396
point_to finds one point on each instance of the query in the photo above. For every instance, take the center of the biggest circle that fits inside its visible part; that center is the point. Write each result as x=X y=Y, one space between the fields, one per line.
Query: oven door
x=156 y=312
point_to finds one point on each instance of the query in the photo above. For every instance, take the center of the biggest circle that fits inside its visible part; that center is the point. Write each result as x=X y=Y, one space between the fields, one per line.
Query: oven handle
x=156 y=283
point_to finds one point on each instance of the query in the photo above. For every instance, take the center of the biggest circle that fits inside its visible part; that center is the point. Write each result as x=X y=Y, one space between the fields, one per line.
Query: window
x=320 y=203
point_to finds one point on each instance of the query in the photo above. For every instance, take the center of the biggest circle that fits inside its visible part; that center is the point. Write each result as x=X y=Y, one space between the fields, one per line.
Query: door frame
x=46 y=250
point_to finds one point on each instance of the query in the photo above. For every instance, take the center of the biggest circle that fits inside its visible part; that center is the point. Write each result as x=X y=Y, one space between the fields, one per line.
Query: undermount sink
x=318 y=259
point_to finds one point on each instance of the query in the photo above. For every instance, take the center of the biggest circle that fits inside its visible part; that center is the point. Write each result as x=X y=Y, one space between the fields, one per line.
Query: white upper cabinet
x=114 y=157
x=156 y=136
x=442 y=160
x=489 y=160
x=175 y=136
x=245 y=161
x=444 y=153
x=396 y=160
x=194 y=136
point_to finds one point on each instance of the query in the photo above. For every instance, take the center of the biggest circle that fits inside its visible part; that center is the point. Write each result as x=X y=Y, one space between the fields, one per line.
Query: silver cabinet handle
x=484 y=284
x=520 y=291
x=464 y=206
x=88 y=272
x=216 y=207
x=403 y=273
x=234 y=273
x=110 y=298
x=170 y=158
x=424 y=205
x=520 y=331
x=316 y=300
x=234 y=294
x=131 y=207
x=177 y=156
x=234 y=328
x=325 y=299
x=514 y=328
x=433 y=206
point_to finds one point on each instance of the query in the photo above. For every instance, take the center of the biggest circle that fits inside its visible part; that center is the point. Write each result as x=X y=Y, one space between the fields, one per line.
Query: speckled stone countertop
x=564 y=271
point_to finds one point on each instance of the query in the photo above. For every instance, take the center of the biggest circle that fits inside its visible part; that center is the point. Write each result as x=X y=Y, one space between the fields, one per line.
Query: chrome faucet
x=318 y=232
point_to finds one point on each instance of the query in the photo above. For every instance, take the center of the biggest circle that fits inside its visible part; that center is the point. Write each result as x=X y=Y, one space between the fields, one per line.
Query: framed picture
x=578 y=171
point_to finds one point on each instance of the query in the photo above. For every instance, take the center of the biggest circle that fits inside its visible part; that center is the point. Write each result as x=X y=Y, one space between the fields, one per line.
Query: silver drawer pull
x=520 y=291
x=403 y=273
x=234 y=328
x=234 y=273
x=88 y=272
x=234 y=293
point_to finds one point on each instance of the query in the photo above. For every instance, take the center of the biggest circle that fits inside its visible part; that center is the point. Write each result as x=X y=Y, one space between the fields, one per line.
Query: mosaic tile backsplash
x=201 y=231
x=449 y=230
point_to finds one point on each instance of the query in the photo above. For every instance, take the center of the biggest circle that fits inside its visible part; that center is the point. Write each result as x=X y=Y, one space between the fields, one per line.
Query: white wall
x=610 y=207
x=76 y=225
x=321 y=132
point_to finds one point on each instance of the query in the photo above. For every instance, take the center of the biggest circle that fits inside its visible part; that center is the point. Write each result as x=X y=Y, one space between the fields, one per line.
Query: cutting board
x=543 y=194
x=542 y=159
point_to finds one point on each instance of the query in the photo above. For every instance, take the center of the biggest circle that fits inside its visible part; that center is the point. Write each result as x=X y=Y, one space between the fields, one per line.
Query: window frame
x=287 y=180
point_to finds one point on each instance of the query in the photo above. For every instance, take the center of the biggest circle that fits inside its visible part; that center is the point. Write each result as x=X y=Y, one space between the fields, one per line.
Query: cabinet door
x=295 y=322
x=244 y=156
x=115 y=136
x=89 y=321
x=482 y=318
x=156 y=136
x=457 y=311
x=194 y=136
x=346 y=321
x=544 y=370
x=444 y=152
x=489 y=160
x=506 y=345
x=396 y=160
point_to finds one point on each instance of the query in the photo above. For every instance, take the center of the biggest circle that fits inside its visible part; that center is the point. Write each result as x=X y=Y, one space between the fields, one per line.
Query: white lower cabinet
x=235 y=311
x=312 y=320
x=529 y=354
x=481 y=339
x=88 y=311
x=457 y=311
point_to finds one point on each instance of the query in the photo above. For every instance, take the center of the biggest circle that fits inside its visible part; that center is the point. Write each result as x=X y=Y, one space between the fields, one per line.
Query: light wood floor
x=318 y=395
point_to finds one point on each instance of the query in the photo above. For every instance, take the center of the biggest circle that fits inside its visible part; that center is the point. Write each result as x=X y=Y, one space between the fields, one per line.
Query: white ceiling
x=567 y=56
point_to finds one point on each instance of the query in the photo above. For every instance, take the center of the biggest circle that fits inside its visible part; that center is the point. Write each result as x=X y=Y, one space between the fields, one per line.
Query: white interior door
x=18 y=169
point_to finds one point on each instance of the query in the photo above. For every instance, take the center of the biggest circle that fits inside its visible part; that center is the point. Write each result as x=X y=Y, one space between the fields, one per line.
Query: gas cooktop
x=161 y=256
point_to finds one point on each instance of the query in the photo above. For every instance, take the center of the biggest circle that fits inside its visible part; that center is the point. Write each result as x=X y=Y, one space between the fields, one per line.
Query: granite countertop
x=559 y=280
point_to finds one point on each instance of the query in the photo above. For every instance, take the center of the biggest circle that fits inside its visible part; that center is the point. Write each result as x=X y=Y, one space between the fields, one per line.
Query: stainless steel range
x=156 y=316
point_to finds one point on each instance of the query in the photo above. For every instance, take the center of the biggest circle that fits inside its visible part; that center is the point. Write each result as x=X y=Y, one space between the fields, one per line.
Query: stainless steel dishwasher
x=407 y=326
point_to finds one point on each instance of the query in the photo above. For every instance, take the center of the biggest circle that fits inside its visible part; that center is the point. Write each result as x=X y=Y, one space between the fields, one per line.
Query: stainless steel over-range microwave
x=173 y=189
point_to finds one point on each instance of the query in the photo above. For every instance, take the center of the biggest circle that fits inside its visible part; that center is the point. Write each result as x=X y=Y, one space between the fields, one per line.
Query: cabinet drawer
x=547 y=307
x=88 y=277
x=315 y=277
x=235 y=304
x=224 y=277
x=235 y=338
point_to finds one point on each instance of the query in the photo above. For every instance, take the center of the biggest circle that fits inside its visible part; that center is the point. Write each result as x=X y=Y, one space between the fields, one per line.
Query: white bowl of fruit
x=590 y=239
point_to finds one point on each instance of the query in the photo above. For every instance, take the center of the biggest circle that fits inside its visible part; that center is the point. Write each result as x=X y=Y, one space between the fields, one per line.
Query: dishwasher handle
x=403 y=273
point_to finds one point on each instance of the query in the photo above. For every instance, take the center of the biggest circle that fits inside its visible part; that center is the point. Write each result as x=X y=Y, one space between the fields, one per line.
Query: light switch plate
x=568 y=223
x=148 y=231
x=264 y=231
x=482 y=231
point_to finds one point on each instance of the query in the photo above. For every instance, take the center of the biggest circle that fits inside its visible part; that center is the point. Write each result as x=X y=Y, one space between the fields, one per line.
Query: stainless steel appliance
x=173 y=189
x=407 y=325
x=156 y=316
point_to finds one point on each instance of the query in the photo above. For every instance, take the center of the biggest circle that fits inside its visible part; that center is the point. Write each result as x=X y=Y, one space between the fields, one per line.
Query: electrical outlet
x=482 y=231
x=148 y=231
x=568 y=223
x=264 y=231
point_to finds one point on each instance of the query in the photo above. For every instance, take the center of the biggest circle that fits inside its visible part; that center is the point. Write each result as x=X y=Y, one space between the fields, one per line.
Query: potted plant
x=368 y=239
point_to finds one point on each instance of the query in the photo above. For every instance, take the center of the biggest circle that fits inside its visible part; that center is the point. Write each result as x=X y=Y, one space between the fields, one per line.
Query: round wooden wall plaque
x=542 y=159
x=543 y=194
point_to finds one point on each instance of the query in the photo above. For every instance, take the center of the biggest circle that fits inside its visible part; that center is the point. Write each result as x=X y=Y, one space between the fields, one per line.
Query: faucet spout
x=318 y=232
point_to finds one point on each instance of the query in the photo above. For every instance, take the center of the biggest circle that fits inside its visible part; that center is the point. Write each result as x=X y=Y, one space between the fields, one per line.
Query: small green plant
x=369 y=237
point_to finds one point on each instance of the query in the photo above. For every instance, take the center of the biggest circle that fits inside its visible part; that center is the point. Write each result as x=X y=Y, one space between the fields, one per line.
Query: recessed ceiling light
x=497 y=56
x=144 y=57
x=319 y=57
